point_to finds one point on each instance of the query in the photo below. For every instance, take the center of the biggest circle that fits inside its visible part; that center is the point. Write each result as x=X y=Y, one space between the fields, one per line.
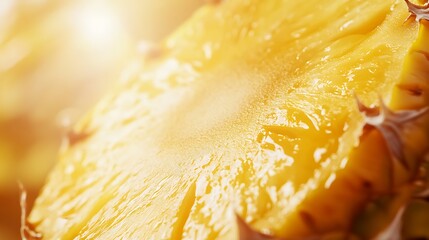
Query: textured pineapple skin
x=249 y=110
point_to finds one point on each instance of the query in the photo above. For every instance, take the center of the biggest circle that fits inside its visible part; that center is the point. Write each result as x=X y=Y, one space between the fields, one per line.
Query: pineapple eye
x=390 y=124
x=419 y=12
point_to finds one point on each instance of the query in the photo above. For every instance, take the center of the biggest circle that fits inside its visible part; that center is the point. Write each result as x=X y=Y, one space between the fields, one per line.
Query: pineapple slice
x=250 y=113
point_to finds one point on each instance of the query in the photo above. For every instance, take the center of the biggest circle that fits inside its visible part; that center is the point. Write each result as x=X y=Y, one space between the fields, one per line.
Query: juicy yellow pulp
x=249 y=110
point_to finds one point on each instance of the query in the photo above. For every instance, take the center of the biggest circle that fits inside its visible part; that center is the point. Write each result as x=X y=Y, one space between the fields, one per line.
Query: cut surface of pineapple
x=250 y=110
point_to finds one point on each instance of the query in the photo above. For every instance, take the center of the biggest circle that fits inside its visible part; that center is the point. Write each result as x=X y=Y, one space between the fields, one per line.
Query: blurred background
x=56 y=59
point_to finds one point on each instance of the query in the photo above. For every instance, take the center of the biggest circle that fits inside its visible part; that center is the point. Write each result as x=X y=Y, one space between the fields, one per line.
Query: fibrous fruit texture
x=257 y=120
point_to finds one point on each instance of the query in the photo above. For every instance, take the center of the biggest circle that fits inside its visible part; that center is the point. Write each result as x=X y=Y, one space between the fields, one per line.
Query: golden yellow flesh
x=250 y=110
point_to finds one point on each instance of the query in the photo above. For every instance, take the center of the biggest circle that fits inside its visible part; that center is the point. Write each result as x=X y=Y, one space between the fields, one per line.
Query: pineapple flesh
x=250 y=112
